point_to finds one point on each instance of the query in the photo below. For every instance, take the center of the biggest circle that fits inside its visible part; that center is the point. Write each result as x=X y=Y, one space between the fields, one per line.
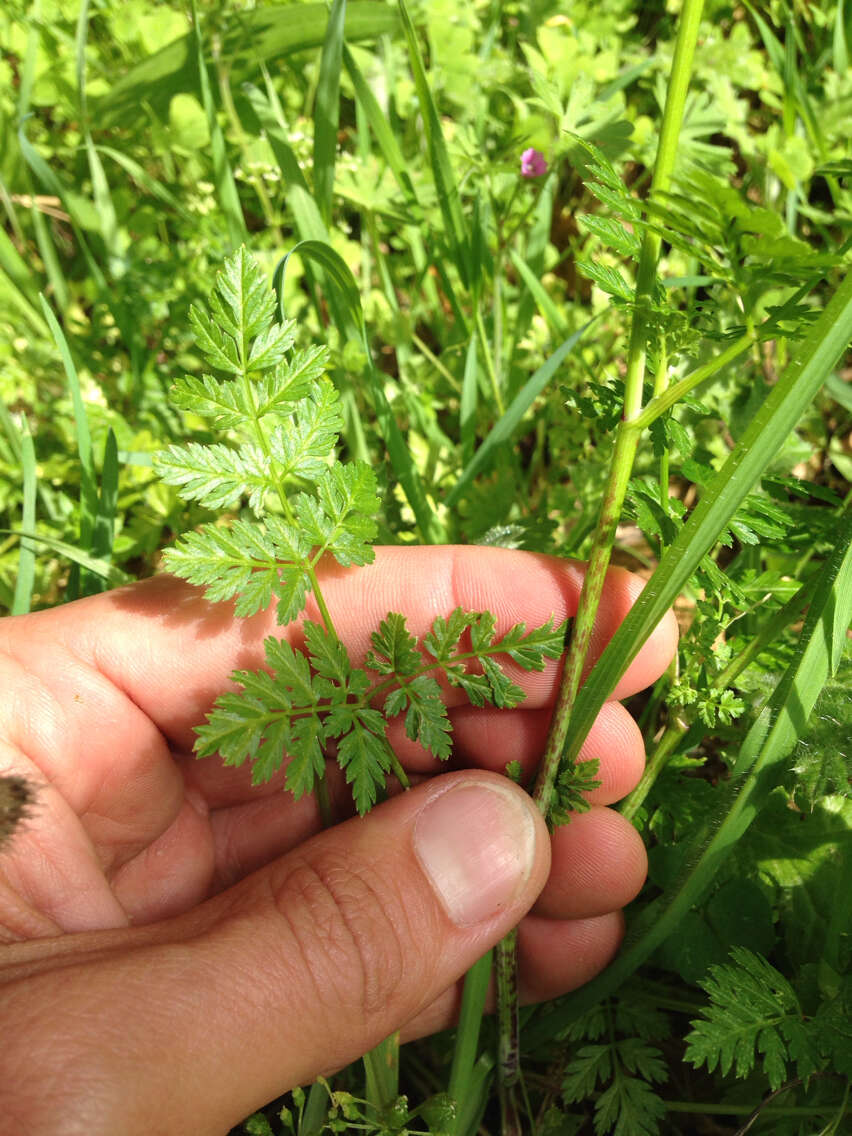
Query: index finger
x=172 y=652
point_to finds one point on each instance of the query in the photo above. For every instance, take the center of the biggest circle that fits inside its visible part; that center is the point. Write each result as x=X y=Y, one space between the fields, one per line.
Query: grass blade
x=88 y=493
x=468 y=402
x=776 y=418
x=101 y=195
x=475 y=991
x=840 y=49
x=19 y=272
x=104 y=527
x=537 y=238
x=757 y=771
x=339 y=275
x=45 y=492
x=840 y=391
x=439 y=158
x=545 y=304
x=503 y=429
x=25 y=581
x=146 y=181
x=380 y=127
x=44 y=240
x=381 y=1068
x=226 y=188
x=112 y=576
x=327 y=109
x=13 y=297
x=50 y=181
x=309 y=223
x=110 y=296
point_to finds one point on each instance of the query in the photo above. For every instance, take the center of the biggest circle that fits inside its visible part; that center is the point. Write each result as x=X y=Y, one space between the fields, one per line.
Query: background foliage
x=141 y=144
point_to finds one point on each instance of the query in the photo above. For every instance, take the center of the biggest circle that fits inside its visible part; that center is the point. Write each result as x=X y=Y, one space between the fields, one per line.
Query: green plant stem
x=509 y=1037
x=507 y=1001
x=323 y=801
x=497 y=318
x=661 y=384
x=656 y=763
x=701 y=1108
x=665 y=400
x=622 y=464
x=381 y=1066
x=435 y=361
x=627 y=438
x=475 y=990
x=489 y=363
x=321 y=604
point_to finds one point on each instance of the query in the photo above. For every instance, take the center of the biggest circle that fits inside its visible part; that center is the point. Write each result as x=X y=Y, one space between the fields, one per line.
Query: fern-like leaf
x=238 y=562
x=281 y=418
x=753 y=1014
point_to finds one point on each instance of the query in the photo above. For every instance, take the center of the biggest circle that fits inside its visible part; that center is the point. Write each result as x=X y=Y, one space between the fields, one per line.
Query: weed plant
x=276 y=282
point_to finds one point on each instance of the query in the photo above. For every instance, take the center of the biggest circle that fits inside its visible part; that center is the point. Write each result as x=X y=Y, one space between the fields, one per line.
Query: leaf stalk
x=626 y=443
x=627 y=437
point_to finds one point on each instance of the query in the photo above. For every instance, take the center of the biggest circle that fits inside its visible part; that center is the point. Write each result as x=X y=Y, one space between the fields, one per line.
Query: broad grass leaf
x=758 y=768
x=327 y=109
x=250 y=38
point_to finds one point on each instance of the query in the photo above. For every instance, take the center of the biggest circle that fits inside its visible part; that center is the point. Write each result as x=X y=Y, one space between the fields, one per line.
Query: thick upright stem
x=627 y=438
x=622 y=463
x=507 y=1000
x=626 y=442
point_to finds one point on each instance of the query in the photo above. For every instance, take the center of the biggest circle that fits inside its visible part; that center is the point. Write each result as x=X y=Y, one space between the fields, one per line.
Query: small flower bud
x=533 y=164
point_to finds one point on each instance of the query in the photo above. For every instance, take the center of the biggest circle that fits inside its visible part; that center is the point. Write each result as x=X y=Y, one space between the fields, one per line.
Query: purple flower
x=533 y=164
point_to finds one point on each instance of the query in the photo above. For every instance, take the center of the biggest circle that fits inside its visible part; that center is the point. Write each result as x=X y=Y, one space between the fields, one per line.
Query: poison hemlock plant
x=755 y=1016
x=475 y=278
x=279 y=416
x=617 y=1064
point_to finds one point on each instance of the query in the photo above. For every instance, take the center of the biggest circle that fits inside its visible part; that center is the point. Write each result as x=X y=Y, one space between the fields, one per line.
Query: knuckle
x=349 y=932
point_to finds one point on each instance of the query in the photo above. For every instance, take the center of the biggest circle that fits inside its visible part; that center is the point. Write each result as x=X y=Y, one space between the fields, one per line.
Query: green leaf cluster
x=616 y=1064
x=281 y=418
x=574 y=780
x=302 y=703
x=755 y=1016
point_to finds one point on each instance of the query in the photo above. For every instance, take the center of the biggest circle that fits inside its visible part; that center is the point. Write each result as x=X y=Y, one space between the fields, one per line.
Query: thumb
x=298 y=970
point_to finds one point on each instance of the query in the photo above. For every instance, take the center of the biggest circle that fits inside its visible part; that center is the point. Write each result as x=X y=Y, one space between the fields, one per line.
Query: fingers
x=84 y=741
x=557 y=956
x=50 y=875
x=174 y=872
x=553 y=958
x=489 y=738
x=303 y=967
x=575 y=928
x=183 y=649
x=599 y=864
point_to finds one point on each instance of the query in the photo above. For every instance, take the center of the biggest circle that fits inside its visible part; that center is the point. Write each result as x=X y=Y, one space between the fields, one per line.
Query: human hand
x=182 y=947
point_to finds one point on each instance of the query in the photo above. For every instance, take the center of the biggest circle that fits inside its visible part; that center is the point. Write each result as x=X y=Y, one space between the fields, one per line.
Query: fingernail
x=476 y=843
